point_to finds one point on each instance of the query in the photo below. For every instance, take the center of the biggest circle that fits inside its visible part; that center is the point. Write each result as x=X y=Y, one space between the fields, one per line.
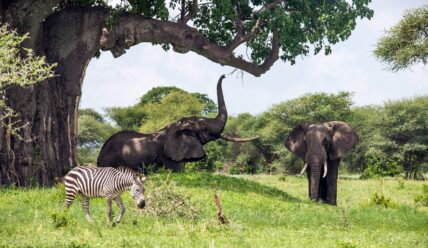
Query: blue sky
x=351 y=67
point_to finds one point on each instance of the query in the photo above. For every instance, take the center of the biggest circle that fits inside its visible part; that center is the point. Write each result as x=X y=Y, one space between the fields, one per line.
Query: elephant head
x=320 y=146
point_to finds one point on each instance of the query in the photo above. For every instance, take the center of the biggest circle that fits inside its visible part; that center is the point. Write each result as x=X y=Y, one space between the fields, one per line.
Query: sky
x=351 y=67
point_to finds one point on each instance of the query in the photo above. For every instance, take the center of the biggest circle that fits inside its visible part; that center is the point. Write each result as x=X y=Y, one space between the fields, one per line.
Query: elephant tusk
x=304 y=169
x=325 y=169
x=234 y=139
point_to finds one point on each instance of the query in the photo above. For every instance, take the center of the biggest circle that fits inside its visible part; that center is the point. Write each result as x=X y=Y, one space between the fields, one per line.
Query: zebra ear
x=136 y=178
x=143 y=179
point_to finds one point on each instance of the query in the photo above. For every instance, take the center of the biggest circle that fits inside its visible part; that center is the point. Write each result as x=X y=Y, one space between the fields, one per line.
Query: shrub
x=59 y=220
x=378 y=165
x=423 y=198
x=164 y=200
x=378 y=199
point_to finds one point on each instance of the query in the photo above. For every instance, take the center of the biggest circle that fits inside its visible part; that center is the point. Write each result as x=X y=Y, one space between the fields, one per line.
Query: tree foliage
x=406 y=43
x=405 y=126
x=266 y=27
x=170 y=109
x=93 y=131
x=143 y=114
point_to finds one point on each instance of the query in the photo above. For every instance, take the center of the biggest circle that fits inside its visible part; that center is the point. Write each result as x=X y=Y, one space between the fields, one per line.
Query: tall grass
x=263 y=211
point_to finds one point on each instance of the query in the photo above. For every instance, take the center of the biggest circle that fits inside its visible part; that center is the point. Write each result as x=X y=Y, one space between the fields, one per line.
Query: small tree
x=405 y=125
x=406 y=43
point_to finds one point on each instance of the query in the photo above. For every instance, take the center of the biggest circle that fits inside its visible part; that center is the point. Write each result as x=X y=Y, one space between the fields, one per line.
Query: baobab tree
x=71 y=32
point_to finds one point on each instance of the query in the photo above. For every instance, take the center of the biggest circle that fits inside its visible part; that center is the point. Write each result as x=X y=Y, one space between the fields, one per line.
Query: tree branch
x=240 y=38
x=192 y=14
x=132 y=30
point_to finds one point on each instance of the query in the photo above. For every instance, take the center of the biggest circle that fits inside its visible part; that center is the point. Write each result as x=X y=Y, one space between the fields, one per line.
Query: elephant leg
x=331 y=181
x=173 y=165
x=308 y=173
x=322 y=189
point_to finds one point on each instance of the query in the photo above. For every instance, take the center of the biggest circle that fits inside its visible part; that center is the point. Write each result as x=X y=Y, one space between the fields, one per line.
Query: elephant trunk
x=315 y=180
x=217 y=124
x=315 y=168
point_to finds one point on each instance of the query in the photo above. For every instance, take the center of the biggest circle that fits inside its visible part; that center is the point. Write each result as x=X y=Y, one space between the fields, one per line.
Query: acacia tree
x=72 y=32
x=405 y=126
x=406 y=43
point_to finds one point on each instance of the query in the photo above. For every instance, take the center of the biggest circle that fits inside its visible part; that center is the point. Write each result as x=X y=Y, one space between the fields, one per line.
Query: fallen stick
x=221 y=218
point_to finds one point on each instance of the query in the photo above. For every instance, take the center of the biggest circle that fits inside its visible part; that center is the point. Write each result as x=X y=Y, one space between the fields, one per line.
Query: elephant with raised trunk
x=171 y=146
x=321 y=147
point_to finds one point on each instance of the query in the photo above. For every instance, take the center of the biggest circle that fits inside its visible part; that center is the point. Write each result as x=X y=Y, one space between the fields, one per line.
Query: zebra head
x=137 y=191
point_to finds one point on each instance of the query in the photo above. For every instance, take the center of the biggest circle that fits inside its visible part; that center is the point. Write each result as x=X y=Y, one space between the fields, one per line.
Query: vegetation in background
x=406 y=43
x=93 y=131
x=405 y=127
x=393 y=136
x=153 y=111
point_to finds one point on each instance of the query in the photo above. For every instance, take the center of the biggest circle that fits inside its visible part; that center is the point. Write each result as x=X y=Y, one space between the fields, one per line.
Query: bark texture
x=48 y=110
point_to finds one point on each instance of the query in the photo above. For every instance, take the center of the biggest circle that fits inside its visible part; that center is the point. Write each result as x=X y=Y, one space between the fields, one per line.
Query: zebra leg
x=119 y=202
x=109 y=201
x=70 y=195
x=85 y=204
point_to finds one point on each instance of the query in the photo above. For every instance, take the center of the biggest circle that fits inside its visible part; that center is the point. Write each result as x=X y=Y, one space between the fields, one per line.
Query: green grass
x=263 y=211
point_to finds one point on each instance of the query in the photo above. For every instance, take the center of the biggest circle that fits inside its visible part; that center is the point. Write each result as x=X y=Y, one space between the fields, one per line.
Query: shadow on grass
x=212 y=181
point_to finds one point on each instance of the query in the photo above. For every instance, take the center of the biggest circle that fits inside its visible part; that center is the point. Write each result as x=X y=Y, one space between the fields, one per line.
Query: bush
x=378 y=165
x=59 y=219
x=164 y=200
x=423 y=198
x=378 y=199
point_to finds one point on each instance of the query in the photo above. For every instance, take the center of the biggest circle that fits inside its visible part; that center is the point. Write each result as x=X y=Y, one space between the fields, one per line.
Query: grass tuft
x=379 y=199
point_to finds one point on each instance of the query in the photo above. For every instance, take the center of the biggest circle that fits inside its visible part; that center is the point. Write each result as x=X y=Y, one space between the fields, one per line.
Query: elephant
x=170 y=146
x=321 y=147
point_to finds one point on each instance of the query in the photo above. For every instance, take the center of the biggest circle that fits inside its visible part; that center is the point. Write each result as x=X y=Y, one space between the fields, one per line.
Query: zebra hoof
x=114 y=224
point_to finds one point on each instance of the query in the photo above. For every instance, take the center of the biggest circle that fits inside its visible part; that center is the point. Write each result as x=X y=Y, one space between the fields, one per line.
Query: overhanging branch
x=132 y=30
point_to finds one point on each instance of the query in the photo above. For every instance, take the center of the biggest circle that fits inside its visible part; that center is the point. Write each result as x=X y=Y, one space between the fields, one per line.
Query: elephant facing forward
x=171 y=146
x=321 y=147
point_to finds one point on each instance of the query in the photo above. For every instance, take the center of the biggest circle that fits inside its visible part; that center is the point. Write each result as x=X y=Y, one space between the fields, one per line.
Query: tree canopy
x=215 y=29
x=406 y=43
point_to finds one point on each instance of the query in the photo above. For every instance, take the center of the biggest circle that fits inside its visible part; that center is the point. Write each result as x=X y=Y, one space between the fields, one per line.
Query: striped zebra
x=106 y=182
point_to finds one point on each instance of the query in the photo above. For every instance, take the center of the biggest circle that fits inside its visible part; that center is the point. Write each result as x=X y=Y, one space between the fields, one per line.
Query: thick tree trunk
x=49 y=109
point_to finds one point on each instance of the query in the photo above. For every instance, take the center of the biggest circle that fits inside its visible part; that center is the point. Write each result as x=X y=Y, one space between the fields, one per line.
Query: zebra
x=106 y=182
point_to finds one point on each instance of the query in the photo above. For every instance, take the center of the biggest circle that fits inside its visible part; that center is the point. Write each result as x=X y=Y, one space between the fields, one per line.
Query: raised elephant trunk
x=217 y=124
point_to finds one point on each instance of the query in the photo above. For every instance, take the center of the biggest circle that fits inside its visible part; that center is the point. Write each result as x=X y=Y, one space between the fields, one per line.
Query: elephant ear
x=182 y=144
x=295 y=141
x=344 y=138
